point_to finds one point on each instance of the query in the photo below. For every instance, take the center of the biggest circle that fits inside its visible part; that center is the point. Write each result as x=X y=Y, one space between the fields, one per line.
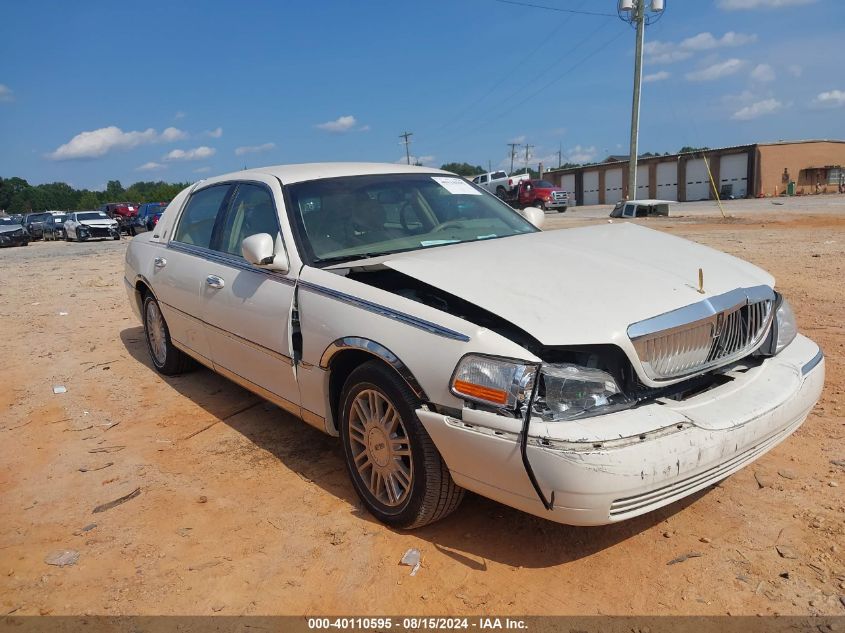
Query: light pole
x=637 y=15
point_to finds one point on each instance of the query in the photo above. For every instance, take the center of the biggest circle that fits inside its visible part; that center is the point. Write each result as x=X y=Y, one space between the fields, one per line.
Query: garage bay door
x=567 y=183
x=642 y=183
x=733 y=175
x=667 y=181
x=612 y=186
x=591 y=187
x=698 y=182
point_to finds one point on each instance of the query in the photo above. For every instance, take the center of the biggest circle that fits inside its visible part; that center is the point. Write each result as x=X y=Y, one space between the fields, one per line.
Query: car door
x=178 y=273
x=246 y=309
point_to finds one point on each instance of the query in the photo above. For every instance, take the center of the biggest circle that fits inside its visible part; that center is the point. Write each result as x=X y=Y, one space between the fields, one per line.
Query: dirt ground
x=245 y=510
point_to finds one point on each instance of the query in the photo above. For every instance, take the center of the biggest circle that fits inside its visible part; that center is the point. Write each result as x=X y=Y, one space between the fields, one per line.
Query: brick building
x=761 y=169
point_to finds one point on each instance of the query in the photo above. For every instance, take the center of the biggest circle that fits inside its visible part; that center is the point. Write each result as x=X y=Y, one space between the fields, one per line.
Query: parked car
x=587 y=375
x=148 y=216
x=122 y=212
x=540 y=194
x=640 y=208
x=86 y=225
x=54 y=227
x=34 y=223
x=12 y=232
x=499 y=182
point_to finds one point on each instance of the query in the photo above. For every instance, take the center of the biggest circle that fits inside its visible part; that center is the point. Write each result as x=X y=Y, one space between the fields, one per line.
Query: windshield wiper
x=348 y=258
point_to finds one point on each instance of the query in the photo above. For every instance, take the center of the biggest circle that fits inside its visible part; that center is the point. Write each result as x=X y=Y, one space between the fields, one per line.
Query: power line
x=407 y=143
x=547 y=8
x=513 y=147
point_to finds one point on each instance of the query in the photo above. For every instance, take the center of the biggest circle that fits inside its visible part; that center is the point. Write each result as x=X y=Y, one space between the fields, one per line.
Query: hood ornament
x=701 y=281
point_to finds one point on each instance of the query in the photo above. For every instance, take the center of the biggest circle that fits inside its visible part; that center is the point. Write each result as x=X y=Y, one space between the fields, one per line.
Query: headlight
x=500 y=382
x=569 y=392
x=786 y=327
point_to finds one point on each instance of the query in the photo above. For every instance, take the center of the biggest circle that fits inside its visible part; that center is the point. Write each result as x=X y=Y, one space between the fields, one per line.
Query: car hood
x=10 y=228
x=580 y=286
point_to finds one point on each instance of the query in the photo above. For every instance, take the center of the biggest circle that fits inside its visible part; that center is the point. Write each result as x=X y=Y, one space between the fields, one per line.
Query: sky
x=178 y=91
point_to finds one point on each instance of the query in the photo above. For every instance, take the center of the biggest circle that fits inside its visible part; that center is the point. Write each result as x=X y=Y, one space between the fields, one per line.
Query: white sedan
x=587 y=375
x=87 y=225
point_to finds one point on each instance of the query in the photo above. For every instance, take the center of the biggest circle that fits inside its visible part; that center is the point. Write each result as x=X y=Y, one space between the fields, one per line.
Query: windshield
x=340 y=219
x=8 y=221
x=91 y=215
x=59 y=219
x=543 y=184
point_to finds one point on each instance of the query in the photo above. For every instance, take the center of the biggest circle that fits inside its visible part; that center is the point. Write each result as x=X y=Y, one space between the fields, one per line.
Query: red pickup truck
x=541 y=194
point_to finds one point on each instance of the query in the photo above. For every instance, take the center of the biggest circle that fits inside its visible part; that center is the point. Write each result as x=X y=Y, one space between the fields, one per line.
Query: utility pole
x=513 y=147
x=407 y=143
x=528 y=149
x=634 y=12
x=559 y=155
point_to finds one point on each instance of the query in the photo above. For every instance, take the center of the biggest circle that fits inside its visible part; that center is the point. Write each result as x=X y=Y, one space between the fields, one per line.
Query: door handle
x=214 y=281
x=159 y=262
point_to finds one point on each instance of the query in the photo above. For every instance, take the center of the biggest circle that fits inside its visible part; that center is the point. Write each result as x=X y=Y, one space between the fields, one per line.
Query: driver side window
x=251 y=211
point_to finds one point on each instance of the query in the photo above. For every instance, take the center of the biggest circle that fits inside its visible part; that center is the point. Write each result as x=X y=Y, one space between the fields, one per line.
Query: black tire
x=174 y=361
x=116 y=237
x=432 y=494
x=561 y=210
x=500 y=192
x=540 y=205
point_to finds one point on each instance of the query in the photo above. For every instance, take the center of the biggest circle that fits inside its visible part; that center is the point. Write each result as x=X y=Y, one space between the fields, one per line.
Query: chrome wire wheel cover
x=155 y=333
x=381 y=450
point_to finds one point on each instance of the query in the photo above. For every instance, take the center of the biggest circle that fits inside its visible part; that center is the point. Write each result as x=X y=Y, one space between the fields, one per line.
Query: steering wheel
x=446 y=225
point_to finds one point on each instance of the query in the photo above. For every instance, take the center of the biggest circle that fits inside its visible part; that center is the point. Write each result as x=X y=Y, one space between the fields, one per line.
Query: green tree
x=114 y=191
x=88 y=200
x=463 y=169
x=688 y=149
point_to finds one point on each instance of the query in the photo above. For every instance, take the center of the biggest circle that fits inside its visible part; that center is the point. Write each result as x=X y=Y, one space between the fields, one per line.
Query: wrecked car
x=640 y=208
x=586 y=375
x=88 y=225
x=12 y=232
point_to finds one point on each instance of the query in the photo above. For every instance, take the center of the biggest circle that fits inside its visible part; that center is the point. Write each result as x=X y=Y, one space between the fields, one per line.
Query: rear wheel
x=167 y=359
x=394 y=466
x=500 y=192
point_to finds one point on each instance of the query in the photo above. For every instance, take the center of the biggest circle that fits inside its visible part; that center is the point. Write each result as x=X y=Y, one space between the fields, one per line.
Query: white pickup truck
x=499 y=182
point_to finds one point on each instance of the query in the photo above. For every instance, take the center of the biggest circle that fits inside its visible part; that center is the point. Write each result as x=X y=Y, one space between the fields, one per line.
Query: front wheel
x=394 y=466
x=166 y=358
x=540 y=205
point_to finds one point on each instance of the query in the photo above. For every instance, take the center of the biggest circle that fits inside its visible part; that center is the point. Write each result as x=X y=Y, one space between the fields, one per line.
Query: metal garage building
x=761 y=169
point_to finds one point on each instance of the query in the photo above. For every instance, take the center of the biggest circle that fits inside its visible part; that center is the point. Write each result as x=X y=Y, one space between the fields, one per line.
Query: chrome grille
x=708 y=334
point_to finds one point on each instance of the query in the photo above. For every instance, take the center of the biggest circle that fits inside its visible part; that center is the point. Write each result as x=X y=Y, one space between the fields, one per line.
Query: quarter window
x=197 y=222
x=250 y=212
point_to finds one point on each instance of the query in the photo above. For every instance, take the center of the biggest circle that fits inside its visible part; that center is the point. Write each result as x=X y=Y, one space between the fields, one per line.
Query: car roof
x=302 y=172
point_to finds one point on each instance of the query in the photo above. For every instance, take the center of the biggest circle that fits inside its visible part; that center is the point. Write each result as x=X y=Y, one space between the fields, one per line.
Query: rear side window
x=251 y=211
x=197 y=221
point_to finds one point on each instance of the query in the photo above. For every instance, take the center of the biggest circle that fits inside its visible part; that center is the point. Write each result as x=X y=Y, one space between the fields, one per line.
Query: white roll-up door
x=612 y=186
x=567 y=183
x=698 y=182
x=591 y=187
x=733 y=175
x=642 y=182
x=667 y=181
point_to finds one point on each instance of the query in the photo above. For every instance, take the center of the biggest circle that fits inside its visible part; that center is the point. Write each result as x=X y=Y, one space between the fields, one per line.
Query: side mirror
x=534 y=215
x=260 y=250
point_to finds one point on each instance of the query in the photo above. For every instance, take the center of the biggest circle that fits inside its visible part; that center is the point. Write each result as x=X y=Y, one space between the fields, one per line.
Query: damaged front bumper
x=620 y=465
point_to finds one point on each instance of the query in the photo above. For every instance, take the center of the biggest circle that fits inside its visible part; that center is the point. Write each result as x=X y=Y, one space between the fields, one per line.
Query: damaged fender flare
x=379 y=351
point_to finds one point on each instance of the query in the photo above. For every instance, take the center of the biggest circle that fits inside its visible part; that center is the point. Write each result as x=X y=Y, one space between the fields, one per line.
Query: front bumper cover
x=620 y=465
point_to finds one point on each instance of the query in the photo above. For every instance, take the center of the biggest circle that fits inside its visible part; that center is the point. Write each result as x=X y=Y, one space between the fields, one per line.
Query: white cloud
x=716 y=71
x=758 y=109
x=659 y=76
x=657 y=52
x=737 y=5
x=171 y=134
x=6 y=94
x=100 y=142
x=795 y=70
x=427 y=160
x=198 y=153
x=579 y=154
x=202 y=170
x=340 y=124
x=179 y=115
x=215 y=133
x=763 y=73
x=151 y=166
x=254 y=149
x=830 y=99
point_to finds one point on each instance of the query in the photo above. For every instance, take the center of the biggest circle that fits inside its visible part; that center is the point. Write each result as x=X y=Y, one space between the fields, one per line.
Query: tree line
x=18 y=196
